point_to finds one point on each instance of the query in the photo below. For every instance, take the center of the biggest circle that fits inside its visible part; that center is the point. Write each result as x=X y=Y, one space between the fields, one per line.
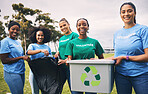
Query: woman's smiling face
x=64 y=26
x=14 y=31
x=127 y=14
x=82 y=26
x=39 y=37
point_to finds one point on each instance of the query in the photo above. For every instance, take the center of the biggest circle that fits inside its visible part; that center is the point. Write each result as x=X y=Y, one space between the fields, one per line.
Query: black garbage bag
x=49 y=76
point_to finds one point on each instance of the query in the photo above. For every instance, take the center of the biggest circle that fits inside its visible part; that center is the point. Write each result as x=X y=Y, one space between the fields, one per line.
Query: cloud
x=103 y=15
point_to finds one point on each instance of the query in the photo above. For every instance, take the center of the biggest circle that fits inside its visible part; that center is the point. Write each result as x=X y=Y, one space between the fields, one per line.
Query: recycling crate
x=92 y=75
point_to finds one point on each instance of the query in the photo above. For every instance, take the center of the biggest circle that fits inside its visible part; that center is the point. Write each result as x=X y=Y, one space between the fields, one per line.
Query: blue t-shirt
x=14 y=48
x=35 y=46
x=131 y=42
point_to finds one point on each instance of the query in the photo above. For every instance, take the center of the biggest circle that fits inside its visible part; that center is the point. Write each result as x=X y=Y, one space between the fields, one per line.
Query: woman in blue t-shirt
x=131 y=53
x=38 y=36
x=11 y=54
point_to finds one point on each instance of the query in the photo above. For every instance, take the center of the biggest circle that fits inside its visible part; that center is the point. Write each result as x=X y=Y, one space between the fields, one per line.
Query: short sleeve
x=69 y=48
x=99 y=49
x=144 y=38
x=30 y=47
x=5 y=47
x=75 y=35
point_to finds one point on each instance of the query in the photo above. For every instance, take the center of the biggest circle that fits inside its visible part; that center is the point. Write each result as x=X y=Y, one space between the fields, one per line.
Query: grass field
x=27 y=89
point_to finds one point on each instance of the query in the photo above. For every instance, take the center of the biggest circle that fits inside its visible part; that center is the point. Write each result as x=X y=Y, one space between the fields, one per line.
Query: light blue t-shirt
x=14 y=48
x=131 y=42
x=35 y=46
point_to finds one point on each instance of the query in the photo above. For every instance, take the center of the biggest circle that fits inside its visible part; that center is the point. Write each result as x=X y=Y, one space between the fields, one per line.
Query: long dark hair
x=132 y=5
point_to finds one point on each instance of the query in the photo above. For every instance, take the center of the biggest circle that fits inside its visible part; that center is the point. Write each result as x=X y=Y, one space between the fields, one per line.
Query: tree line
x=22 y=15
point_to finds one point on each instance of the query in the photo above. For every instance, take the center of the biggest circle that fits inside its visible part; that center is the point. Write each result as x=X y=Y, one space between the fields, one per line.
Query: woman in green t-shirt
x=83 y=47
x=68 y=35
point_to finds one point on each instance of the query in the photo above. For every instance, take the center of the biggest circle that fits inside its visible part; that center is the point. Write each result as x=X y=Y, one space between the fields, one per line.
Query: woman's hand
x=62 y=61
x=46 y=53
x=119 y=59
x=26 y=58
x=56 y=55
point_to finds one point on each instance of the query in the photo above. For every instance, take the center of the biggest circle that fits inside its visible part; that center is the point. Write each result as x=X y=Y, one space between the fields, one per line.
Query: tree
x=2 y=31
x=0 y=11
x=22 y=15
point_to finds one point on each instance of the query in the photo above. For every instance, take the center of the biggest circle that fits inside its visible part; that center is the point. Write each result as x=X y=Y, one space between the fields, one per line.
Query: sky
x=103 y=15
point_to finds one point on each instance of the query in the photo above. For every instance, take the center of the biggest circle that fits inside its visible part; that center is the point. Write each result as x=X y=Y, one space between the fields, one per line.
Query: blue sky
x=103 y=15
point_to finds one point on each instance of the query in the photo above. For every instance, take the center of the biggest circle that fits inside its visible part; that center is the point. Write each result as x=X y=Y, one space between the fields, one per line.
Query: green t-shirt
x=83 y=48
x=63 y=42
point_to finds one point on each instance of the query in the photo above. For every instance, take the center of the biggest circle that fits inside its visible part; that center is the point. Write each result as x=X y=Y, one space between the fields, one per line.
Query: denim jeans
x=15 y=82
x=124 y=84
x=33 y=83
x=75 y=92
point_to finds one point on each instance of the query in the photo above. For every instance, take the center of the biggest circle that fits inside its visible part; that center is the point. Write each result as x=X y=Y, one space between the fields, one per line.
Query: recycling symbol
x=84 y=76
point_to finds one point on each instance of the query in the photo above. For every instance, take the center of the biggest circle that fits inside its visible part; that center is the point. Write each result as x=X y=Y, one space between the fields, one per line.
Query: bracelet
x=127 y=57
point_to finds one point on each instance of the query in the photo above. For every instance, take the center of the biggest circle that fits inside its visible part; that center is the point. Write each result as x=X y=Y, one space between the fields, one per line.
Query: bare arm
x=6 y=60
x=138 y=58
x=69 y=57
x=57 y=54
x=101 y=56
x=32 y=52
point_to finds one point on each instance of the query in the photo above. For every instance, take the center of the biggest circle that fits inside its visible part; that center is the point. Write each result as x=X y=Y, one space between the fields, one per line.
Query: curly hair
x=32 y=34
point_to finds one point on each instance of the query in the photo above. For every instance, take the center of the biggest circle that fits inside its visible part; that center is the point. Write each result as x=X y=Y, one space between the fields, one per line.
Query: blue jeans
x=15 y=82
x=75 y=92
x=124 y=84
x=33 y=84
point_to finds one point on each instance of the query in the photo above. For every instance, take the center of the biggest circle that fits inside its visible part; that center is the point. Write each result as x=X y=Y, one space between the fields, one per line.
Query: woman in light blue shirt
x=38 y=36
x=12 y=57
x=131 y=53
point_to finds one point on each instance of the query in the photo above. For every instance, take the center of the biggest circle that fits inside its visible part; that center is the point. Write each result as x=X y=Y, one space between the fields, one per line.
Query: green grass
x=108 y=55
x=27 y=89
x=3 y=86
